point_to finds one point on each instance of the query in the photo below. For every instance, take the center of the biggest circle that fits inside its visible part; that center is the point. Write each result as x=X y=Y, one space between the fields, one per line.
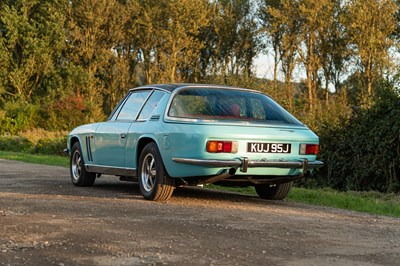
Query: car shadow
x=110 y=187
x=130 y=190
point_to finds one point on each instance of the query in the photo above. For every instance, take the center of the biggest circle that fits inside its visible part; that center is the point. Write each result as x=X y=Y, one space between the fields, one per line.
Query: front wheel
x=273 y=192
x=79 y=176
x=154 y=182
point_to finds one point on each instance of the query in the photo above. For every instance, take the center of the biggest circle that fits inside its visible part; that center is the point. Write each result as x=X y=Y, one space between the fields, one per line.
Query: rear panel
x=189 y=141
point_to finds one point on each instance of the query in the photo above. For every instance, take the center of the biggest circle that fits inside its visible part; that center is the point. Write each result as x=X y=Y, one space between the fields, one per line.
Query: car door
x=142 y=127
x=111 y=137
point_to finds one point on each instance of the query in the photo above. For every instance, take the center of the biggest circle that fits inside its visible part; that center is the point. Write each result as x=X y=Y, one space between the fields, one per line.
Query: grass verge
x=368 y=202
x=36 y=158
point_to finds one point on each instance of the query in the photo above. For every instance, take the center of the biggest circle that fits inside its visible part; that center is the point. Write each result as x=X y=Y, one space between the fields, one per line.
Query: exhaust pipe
x=223 y=175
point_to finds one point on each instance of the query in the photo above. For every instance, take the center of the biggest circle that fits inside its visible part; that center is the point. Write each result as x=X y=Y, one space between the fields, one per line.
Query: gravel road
x=45 y=220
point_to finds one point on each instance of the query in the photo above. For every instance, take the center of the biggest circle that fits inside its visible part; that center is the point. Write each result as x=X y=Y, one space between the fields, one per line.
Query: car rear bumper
x=244 y=163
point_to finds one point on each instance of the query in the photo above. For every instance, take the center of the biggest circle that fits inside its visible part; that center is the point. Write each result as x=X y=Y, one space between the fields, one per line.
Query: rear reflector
x=309 y=149
x=219 y=146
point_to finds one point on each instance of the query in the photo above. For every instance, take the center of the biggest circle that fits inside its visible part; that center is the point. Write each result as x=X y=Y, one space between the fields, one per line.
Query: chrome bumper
x=244 y=163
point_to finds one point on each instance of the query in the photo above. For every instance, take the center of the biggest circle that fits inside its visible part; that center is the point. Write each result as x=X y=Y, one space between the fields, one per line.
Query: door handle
x=123 y=136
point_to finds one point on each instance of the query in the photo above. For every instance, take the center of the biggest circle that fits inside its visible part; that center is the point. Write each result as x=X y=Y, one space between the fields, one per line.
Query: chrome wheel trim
x=148 y=173
x=76 y=167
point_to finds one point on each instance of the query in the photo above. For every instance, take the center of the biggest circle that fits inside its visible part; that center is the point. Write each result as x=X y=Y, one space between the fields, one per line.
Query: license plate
x=257 y=147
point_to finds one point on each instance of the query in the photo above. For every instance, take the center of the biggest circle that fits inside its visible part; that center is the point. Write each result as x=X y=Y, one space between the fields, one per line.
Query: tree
x=317 y=18
x=31 y=47
x=370 y=25
x=181 y=46
x=231 y=41
x=274 y=31
x=164 y=36
x=334 y=49
x=4 y=62
x=286 y=20
x=95 y=31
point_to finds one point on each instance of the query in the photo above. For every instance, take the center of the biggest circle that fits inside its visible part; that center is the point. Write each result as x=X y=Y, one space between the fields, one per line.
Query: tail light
x=309 y=149
x=221 y=146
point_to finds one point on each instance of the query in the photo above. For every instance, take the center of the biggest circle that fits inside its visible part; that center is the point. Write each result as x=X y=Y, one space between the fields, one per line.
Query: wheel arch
x=76 y=139
x=73 y=140
x=140 y=146
x=142 y=142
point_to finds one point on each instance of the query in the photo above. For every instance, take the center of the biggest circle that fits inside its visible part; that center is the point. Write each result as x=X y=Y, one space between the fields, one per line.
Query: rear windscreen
x=228 y=104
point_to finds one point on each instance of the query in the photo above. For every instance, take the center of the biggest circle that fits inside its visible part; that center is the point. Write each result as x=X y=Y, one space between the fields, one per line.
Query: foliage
x=167 y=48
x=80 y=57
x=370 y=25
x=49 y=146
x=32 y=41
x=16 y=144
x=364 y=152
x=18 y=116
x=67 y=112
x=321 y=37
x=231 y=41
x=37 y=134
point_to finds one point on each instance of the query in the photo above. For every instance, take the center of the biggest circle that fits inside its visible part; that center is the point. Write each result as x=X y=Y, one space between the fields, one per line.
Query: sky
x=264 y=65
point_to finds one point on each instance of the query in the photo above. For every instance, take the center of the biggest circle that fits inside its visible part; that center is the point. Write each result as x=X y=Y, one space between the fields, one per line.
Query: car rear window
x=228 y=104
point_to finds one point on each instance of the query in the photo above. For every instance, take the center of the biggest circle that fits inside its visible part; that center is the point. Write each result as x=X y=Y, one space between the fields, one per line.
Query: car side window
x=133 y=105
x=115 y=112
x=150 y=105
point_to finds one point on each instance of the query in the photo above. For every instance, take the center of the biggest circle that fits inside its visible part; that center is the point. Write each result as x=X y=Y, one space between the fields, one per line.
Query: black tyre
x=79 y=176
x=273 y=192
x=154 y=182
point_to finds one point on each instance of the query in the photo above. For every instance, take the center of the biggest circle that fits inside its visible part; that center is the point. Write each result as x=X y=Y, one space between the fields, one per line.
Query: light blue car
x=164 y=136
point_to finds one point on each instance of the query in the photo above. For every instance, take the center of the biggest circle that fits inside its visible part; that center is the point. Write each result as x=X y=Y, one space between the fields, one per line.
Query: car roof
x=174 y=86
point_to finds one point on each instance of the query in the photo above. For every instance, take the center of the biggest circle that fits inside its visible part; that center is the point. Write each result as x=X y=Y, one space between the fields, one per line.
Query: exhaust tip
x=307 y=173
x=232 y=171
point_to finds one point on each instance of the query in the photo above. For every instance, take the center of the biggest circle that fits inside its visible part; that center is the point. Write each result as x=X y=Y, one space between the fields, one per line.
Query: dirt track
x=45 y=220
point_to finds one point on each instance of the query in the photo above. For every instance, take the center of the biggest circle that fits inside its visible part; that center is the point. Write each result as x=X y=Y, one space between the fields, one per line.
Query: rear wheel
x=154 y=182
x=79 y=176
x=273 y=192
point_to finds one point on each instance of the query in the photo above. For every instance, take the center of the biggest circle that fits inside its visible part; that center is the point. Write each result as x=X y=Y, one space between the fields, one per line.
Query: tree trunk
x=326 y=89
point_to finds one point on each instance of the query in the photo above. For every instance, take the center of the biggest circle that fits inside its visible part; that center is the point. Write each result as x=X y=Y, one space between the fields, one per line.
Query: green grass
x=36 y=158
x=368 y=202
